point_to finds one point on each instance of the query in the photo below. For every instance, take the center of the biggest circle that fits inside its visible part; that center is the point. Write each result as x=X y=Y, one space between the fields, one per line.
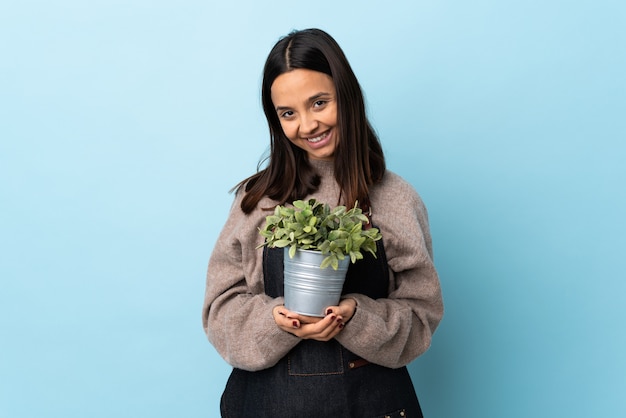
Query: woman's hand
x=315 y=328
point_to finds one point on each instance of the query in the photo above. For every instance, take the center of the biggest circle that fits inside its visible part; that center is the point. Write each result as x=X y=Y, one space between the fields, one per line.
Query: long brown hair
x=358 y=160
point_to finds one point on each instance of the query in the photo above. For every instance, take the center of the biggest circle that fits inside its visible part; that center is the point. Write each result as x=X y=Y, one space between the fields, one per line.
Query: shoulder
x=397 y=204
x=242 y=224
x=395 y=191
x=239 y=236
x=400 y=214
x=390 y=178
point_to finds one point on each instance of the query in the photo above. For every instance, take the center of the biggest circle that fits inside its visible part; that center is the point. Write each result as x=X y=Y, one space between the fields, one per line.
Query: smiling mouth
x=318 y=138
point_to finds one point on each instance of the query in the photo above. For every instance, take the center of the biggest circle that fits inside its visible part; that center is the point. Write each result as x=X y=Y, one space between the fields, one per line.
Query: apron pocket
x=316 y=358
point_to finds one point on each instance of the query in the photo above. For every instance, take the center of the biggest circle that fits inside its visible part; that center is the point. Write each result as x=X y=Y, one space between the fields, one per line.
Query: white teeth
x=317 y=138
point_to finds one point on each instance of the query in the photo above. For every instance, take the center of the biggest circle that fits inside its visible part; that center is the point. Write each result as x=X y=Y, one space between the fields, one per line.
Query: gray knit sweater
x=237 y=314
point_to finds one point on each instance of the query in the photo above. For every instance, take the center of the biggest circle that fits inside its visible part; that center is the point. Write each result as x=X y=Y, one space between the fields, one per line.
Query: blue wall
x=124 y=124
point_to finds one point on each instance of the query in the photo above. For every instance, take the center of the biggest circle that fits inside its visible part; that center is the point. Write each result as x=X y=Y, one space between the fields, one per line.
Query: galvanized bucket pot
x=309 y=289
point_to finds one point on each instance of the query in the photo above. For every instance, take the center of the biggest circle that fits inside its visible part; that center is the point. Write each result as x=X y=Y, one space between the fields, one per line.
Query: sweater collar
x=324 y=168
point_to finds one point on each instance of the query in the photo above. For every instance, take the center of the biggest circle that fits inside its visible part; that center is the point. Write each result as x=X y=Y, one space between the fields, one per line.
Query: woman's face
x=306 y=104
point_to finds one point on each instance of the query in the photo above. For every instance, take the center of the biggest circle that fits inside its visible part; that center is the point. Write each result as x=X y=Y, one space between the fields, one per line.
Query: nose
x=308 y=123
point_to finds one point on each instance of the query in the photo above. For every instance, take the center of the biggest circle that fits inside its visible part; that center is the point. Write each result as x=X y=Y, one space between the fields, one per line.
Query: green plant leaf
x=355 y=256
x=281 y=243
x=327 y=262
x=338 y=232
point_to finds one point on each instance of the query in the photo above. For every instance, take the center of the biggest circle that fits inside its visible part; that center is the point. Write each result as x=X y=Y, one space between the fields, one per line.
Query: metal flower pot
x=309 y=289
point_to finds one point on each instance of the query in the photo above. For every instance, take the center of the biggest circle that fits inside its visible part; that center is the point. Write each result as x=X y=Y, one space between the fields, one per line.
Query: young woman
x=352 y=361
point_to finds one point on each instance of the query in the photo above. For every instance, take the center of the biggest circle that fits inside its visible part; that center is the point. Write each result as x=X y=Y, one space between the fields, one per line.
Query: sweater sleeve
x=237 y=315
x=394 y=331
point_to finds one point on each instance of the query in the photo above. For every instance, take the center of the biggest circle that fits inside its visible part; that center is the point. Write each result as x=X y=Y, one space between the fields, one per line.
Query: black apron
x=323 y=379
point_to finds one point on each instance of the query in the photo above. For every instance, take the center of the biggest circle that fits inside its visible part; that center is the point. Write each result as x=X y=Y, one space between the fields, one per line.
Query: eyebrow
x=311 y=99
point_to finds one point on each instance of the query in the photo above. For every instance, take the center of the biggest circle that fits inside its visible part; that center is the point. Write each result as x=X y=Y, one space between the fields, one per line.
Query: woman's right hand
x=308 y=327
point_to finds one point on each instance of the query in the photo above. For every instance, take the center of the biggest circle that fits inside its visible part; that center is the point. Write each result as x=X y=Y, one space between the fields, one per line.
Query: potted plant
x=314 y=237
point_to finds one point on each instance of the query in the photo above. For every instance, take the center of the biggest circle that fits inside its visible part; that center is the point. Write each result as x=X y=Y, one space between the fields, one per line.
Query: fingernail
x=295 y=324
x=332 y=318
x=340 y=326
x=329 y=311
x=339 y=320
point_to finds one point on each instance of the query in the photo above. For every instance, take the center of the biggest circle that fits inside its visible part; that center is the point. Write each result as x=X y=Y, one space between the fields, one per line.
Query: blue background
x=124 y=124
